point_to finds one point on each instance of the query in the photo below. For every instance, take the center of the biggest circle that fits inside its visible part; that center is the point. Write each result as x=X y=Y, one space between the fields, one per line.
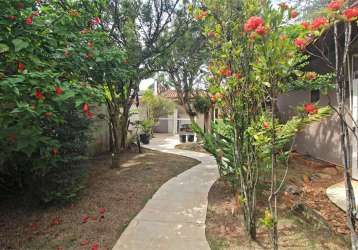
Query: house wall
x=320 y=139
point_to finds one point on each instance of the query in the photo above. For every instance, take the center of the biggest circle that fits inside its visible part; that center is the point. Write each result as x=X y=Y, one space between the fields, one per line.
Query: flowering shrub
x=43 y=129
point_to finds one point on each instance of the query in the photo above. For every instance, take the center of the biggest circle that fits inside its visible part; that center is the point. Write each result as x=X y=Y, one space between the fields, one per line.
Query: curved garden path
x=174 y=219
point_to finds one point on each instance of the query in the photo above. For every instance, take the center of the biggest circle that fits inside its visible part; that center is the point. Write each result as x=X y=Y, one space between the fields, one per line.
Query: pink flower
x=252 y=23
x=319 y=22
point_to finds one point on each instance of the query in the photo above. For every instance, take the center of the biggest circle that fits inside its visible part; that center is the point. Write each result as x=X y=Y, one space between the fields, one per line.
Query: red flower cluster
x=334 y=5
x=253 y=23
x=305 y=25
x=319 y=22
x=350 y=13
x=300 y=43
x=265 y=125
x=39 y=95
x=225 y=72
x=310 y=108
x=261 y=30
x=58 y=90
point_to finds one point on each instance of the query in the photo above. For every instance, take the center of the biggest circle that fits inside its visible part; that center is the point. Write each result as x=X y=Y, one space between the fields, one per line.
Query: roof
x=170 y=93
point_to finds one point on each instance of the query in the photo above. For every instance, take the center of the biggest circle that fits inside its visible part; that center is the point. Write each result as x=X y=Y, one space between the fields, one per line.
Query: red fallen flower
x=85 y=218
x=310 y=108
x=334 y=5
x=252 y=23
x=89 y=115
x=350 y=13
x=54 y=153
x=305 y=25
x=225 y=72
x=85 y=107
x=95 y=246
x=293 y=14
x=55 y=221
x=58 y=91
x=28 y=20
x=90 y=44
x=261 y=30
x=101 y=210
x=265 y=125
x=319 y=22
x=84 y=242
x=12 y=18
x=237 y=76
x=300 y=43
x=20 y=67
x=39 y=95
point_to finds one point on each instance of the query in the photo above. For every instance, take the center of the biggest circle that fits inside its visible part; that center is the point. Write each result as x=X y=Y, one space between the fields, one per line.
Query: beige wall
x=320 y=139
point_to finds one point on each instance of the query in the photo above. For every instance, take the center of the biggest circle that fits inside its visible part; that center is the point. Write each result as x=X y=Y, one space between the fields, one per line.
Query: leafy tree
x=156 y=106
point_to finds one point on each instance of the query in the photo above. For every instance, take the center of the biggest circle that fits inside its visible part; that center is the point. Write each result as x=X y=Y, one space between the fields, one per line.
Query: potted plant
x=147 y=126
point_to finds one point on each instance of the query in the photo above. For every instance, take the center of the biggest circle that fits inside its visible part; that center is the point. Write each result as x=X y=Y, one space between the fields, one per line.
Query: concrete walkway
x=174 y=219
x=337 y=194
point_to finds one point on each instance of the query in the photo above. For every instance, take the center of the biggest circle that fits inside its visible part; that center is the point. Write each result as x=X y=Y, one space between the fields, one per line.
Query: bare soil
x=225 y=228
x=192 y=146
x=112 y=197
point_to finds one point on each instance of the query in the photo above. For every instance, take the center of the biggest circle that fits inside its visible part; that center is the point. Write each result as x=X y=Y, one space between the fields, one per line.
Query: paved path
x=174 y=219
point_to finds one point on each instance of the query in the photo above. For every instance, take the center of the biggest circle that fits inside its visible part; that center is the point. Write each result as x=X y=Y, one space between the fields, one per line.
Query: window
x=315 y=95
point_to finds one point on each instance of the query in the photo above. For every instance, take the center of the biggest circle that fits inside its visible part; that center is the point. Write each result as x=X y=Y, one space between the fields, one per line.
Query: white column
x=175 y=121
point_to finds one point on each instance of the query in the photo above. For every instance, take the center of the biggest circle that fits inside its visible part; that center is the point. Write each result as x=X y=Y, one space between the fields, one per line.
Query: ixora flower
x=225 y=72
x=300 y=43
x=261 y=30
x=20 y=67
x=28 y=20
x=252 y=23
x=335 y=5
x=39 y=95
x=310 y=108
x=350 y=13
x=58 y=90
x=305 y=25
x=319 y=22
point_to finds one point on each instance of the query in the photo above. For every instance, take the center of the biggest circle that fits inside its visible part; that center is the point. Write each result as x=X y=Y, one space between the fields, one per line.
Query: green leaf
x=3 y=48
x=19 y=44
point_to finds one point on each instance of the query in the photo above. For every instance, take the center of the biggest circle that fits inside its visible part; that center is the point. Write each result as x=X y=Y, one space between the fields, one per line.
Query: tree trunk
x=114 y=118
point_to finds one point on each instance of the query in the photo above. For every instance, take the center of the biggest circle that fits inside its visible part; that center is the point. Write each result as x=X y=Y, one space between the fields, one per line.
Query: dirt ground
x=191 y=146
x=112 y=197
x=308 y=182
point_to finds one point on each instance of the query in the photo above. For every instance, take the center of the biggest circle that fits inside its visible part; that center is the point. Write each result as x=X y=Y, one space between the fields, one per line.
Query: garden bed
x=191 y=146
x=308 y=229
x=112 y=197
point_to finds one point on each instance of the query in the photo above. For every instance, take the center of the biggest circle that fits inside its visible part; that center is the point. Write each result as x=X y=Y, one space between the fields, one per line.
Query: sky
x=144 y=84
